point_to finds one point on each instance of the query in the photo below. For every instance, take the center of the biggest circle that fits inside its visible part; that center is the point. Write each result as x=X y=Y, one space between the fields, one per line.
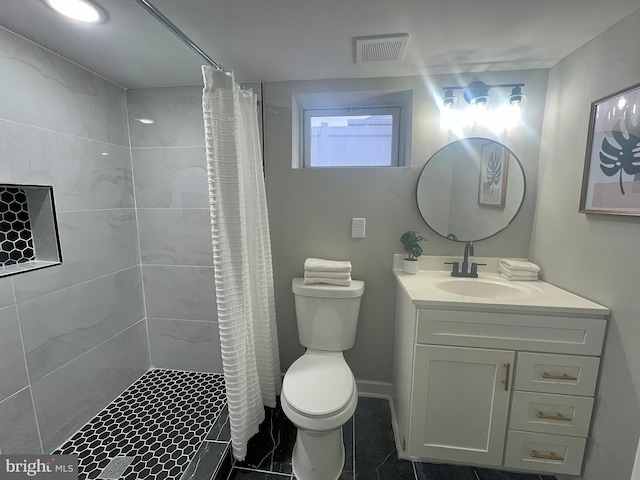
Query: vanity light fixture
x=477 y=93
x=449 y=100
x=80 y=10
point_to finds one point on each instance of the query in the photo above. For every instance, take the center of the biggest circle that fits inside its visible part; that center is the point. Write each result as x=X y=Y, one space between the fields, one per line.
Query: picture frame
x=494 y=171
x=611 y=175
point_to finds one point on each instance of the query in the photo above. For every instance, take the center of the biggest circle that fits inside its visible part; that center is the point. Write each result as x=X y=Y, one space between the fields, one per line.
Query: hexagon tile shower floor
x=160 y=420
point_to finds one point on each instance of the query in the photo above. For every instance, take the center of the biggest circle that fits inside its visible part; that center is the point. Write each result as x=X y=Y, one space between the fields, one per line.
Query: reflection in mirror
x=471 y=189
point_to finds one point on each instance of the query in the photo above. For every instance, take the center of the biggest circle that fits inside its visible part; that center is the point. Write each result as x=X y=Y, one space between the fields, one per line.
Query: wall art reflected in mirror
x=471 y=189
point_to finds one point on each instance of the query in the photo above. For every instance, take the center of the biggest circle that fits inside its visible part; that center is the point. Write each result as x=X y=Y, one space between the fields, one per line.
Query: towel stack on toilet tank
x=332 y=272
x=518 y=270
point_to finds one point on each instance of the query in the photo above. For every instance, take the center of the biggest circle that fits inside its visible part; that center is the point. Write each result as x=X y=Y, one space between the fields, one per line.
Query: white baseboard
x=372 y=389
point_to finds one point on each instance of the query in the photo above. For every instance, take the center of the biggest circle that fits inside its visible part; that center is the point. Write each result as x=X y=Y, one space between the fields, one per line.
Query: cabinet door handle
x=507 y=367
x=564 y=376
x=557 y=416
x=546 y=456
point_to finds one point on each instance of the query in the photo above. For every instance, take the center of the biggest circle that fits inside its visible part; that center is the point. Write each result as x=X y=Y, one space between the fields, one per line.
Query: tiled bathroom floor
x=174 y=425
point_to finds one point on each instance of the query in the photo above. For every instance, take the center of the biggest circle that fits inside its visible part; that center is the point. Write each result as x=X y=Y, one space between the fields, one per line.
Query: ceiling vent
x=381 y=48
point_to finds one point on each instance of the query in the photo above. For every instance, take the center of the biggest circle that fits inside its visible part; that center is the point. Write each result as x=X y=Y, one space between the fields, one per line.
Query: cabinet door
x=460 y=403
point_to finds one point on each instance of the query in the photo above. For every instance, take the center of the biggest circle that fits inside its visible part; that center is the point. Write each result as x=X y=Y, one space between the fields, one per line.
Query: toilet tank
x=327 y=315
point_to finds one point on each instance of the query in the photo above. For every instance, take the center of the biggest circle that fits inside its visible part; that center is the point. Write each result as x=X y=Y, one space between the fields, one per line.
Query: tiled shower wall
x=136 y=286
x=72 y=337
x=170 y=178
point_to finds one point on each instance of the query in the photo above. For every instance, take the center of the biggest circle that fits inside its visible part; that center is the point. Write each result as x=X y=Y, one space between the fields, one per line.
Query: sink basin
x=485 y=288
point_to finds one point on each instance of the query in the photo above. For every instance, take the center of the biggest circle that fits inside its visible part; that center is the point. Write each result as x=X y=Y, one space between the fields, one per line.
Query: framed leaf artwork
x=494 y=168
x=611 y=178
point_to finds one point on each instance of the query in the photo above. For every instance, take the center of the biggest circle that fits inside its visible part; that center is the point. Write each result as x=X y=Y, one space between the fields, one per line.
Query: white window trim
x=394 y=110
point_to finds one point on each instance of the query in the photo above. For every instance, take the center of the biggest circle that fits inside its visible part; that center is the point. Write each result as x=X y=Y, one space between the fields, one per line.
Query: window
x=352 y=137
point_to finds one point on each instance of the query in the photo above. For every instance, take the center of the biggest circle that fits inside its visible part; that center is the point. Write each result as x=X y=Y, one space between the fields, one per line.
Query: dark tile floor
x=175 y=426
x=369 y=448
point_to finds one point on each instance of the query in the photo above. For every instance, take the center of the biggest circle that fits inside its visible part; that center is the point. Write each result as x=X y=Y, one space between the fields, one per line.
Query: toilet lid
x=318 y=385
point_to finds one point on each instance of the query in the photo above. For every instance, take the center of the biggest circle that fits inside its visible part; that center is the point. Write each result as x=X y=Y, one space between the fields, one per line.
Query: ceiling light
x=81 y=10
x=146 y=121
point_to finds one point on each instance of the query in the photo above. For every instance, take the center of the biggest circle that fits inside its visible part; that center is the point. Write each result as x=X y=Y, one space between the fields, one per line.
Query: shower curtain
x=241 y=254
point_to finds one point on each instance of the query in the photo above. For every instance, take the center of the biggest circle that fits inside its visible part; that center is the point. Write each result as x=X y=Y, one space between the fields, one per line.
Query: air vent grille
x=381 y=48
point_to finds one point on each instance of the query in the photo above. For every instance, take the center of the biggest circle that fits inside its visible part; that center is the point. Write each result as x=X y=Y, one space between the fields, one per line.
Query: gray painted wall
x=594 y=255
x=310 y=210
x=73 y=336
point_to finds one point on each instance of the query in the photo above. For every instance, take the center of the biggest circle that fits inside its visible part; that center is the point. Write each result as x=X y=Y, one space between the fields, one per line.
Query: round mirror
x=471 y=189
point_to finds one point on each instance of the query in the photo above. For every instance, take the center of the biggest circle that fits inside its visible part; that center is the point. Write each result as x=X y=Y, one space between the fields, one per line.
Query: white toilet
x=319 y=392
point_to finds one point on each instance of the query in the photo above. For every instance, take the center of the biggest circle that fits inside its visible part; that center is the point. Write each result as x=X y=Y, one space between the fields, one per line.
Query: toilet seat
x=318 y=385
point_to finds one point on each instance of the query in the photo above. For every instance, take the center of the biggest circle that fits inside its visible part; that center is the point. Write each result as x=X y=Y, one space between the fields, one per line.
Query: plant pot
x=410 y=267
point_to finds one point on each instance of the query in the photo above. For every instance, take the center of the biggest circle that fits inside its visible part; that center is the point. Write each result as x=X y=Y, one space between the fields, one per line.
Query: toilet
x=319 y=393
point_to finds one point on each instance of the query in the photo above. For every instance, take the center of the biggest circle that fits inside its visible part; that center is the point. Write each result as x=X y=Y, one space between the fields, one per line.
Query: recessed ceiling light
x=146 y=121
x=81 y=10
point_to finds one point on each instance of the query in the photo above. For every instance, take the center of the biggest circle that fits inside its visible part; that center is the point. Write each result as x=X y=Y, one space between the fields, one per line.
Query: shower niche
x=28 y=229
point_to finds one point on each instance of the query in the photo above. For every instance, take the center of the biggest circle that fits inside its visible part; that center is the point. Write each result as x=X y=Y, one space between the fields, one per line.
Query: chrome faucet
x=456 y=271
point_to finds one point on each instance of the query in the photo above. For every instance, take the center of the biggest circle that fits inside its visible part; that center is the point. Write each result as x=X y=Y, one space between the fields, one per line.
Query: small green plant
x=411 y=243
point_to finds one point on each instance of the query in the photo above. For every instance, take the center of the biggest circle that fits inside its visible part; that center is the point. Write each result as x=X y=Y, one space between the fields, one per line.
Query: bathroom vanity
x=492 y=372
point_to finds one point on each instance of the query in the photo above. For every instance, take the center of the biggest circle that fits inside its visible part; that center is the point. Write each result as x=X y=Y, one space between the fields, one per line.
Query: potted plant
x=411 y=243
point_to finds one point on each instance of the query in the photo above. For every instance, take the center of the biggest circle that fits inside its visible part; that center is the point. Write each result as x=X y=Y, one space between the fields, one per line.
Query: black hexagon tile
x=16 y=240
x=160 y=420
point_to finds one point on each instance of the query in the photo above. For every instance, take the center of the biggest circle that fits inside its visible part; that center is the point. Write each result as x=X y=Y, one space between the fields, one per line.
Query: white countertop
x=537 y=296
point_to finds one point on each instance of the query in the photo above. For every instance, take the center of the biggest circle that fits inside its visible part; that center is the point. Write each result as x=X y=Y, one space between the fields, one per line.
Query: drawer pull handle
x=557 y=416
x=564 y=376
x=507 y=375
x=546 y=456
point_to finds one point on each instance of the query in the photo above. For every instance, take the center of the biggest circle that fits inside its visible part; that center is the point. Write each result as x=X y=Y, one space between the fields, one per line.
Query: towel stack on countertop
x=518 y=270
x=333 y=272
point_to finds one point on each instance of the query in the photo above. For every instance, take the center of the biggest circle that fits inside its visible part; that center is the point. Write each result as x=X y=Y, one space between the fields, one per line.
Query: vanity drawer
x=513 y=331
x=565 y=374
x=544 y=453
x=548 y=413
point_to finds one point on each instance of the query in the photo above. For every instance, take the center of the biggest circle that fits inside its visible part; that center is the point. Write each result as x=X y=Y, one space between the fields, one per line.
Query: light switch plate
x=358 y=227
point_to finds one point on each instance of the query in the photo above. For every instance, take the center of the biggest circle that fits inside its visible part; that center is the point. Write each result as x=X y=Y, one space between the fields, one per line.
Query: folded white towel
x=515 y=271
x=520 y=278
x=320 y=265
x=330 y=281
x=340 y=275
x=519 y=265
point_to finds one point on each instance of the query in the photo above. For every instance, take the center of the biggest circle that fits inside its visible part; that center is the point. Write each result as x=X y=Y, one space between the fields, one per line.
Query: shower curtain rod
x=179 y=33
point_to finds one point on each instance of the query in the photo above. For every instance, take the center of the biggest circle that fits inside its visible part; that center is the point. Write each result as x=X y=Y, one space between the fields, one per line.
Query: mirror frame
x=524 y=188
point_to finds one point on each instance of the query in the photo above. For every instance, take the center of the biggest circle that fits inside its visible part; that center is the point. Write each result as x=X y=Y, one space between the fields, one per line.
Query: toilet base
x=318 y=455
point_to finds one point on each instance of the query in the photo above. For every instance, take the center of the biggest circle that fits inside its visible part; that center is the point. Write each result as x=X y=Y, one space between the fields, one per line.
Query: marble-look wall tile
x=85 y=174
x=185 y=345
x=173 y=236
x=18 y=428
x=176 y=292
x=47 y=91
x=170 y=177
x=6 y=292
x=67 y=398
x=13 y=373
x=176 y=112
x=59 y=326
x=94 y=243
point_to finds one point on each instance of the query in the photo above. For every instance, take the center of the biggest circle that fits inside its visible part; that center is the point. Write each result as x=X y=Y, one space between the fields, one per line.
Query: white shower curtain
x=241 y=254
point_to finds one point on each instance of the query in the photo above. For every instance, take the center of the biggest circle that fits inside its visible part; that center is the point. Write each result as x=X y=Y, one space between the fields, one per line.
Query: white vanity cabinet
x=482 y=383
